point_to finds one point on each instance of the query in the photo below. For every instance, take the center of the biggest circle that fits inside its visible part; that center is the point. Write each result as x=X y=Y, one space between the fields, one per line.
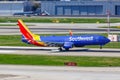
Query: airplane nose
x=107 y=40
x=104 y=40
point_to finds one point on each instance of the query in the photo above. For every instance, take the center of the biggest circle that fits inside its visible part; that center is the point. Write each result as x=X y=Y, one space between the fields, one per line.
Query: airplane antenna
x=70 y=32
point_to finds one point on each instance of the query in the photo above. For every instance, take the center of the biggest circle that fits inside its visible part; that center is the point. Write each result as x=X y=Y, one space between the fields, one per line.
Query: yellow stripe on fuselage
x=36 y=37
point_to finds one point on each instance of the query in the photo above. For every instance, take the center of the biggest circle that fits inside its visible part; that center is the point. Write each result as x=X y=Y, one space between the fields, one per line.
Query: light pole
x=108 y=21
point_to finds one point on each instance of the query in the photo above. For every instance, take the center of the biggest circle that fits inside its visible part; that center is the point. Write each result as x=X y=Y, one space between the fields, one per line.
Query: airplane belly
x=84 y=43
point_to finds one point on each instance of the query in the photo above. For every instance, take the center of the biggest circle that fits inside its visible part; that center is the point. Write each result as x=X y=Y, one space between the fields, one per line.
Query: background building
x=81 y=7
x=8 y=8
x=62 y=7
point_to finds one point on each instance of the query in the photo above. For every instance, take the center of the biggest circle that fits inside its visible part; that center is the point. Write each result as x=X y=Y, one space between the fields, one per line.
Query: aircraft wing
x=68 y=45
x=54 y=44
x=60 y=44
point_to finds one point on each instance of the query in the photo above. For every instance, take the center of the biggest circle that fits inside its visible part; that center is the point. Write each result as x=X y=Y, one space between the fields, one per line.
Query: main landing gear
x=67 y=49
x=60 y=49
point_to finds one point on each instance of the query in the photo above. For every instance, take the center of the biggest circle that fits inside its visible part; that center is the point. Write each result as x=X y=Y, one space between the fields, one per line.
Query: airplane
x=62 y=42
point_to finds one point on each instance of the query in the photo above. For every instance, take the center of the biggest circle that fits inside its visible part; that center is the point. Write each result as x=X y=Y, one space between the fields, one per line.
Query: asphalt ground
x=55 y=51
x=22 y=72
x=59 y=28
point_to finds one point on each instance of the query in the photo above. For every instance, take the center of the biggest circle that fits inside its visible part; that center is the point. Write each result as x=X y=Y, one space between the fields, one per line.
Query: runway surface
x=14 y=72
x=54 y=51
x=59 y=28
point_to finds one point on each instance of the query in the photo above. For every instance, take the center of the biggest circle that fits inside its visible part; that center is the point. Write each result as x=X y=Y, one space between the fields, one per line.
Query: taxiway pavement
x=15 y=72
x=59 y=28
x=55 y=51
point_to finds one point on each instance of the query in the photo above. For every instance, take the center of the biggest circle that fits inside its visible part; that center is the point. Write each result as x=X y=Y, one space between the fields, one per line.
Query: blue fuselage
x=78 y=40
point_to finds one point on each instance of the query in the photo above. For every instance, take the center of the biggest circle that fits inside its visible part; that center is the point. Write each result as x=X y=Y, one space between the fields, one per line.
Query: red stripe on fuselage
x=24 y=31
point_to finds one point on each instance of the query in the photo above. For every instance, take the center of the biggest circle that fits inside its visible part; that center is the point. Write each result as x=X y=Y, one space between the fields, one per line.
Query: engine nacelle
x=68 y=45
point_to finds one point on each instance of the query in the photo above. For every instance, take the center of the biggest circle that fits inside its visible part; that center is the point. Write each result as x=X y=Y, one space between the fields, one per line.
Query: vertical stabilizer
x=28 y=35
x=24 y=30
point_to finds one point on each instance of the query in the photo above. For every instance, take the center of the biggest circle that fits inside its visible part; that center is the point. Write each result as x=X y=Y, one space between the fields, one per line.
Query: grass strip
x=58 y=60
x=11 y=40
x=59 y=20
x=110 y=27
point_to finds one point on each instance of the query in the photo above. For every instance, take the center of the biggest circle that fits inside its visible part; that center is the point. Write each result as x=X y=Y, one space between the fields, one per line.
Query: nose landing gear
x=101 y=47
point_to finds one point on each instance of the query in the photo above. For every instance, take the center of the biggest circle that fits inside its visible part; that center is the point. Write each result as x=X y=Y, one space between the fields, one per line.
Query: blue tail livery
x=61 y=42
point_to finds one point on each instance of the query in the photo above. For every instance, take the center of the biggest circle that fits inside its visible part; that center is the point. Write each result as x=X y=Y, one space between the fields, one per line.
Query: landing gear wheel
x=60 y=49
x=67 y=49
